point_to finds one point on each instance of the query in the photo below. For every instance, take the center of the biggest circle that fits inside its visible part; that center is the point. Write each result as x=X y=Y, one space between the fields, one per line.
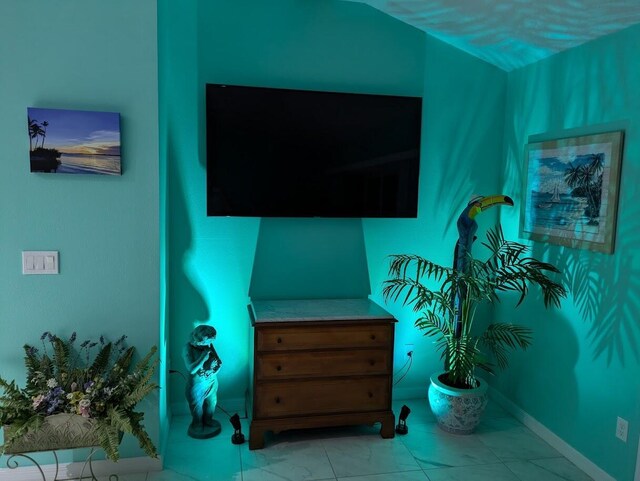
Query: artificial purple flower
x=53 y=405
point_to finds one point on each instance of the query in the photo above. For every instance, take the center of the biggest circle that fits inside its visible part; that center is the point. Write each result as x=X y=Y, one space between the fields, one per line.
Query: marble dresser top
x=317 y=310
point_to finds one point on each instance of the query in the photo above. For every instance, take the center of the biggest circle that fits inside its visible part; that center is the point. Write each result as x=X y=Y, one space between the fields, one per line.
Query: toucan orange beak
x=492 y=200
x=489 y=201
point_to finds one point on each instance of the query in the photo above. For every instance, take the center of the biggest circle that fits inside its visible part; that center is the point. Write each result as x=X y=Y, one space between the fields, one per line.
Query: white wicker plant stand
x=58 y=432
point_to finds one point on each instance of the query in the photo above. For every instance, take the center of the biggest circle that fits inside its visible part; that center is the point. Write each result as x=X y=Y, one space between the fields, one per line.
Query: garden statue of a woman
x=202 y=364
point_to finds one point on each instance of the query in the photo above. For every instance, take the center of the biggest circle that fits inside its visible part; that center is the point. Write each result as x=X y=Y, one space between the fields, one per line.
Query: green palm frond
x=433 y=325
x=508 y=268
x=421 y=267
x=460 y=356
x=415 y=293
x=501 y=337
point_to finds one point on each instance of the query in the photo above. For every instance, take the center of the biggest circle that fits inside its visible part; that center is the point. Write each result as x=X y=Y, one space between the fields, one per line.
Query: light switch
x=40 y=262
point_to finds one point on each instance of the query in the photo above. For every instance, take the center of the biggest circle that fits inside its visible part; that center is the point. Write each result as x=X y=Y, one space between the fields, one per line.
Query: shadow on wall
x=187 y=306
x=462 y=139
x=553 y=333
x=605 y=287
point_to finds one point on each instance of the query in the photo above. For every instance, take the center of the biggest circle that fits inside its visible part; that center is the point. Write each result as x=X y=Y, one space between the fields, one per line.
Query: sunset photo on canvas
x=74 y=141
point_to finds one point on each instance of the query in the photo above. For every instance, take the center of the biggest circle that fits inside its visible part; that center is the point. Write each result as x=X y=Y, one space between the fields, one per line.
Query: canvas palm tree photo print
x=74 y=141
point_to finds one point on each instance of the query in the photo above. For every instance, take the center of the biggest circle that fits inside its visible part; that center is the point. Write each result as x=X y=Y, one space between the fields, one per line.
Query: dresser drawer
x=291 y=398
x=280 y=365
x=323 y=337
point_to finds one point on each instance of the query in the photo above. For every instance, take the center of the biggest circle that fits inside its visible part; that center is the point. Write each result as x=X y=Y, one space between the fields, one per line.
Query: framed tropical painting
x=74 y=141
x=571 y=191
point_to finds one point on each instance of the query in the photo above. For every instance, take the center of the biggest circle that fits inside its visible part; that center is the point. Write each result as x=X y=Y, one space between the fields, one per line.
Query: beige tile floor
x=502 y=449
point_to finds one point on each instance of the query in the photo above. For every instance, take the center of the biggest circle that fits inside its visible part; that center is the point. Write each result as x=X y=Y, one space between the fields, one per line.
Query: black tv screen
x=298 y=153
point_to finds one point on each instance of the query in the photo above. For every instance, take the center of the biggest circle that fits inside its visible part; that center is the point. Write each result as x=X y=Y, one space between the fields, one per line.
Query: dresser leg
x=256 y=437
x=387 y=430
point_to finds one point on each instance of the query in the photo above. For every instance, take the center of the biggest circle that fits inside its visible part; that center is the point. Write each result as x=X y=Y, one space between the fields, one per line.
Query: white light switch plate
x=40 y=262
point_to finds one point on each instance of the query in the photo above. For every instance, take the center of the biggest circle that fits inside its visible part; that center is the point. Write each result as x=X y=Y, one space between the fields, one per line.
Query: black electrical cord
x=407 y=364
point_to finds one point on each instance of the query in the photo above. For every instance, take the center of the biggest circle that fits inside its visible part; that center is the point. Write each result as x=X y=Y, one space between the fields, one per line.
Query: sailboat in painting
x=555 y=199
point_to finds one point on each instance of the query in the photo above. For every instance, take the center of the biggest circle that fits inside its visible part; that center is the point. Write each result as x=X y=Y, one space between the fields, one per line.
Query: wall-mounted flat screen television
x=297 y=153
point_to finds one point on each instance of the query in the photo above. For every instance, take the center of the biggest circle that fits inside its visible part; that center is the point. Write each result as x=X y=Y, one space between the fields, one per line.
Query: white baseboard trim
x=73 y=470
x=568 y=451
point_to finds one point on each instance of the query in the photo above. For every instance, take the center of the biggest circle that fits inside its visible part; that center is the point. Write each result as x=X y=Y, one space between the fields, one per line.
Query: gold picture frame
x=571 y=191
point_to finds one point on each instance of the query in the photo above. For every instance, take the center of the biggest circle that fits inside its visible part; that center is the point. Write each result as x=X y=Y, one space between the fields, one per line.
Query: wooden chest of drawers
x=320 y=363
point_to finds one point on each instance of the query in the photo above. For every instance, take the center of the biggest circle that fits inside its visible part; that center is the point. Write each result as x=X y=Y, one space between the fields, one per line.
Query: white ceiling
x=513 y=33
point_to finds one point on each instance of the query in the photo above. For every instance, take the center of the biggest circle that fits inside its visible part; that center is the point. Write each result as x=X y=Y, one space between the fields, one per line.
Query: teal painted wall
x=583 y=369
x=85 y=55
x=310 y=45
x=106 y=229
x=177 y=73
x=215 y=262
x=461 y=149
x=309 y=259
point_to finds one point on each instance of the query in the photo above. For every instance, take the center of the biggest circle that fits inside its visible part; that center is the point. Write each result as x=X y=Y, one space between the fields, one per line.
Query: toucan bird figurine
x=467 y=227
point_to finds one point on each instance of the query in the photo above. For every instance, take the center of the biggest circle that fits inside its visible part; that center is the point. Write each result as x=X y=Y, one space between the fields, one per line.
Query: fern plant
x=462 y=348
x=104 y=388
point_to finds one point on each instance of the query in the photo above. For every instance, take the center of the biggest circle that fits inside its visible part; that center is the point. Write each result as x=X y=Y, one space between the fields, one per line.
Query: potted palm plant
x=447 y=307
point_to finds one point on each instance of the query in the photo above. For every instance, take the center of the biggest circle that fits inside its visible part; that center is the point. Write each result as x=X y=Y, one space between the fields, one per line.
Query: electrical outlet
x=622 y=428
x=409 y=350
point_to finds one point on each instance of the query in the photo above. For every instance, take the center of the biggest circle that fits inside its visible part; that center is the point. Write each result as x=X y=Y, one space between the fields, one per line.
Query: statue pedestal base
x=204 y=431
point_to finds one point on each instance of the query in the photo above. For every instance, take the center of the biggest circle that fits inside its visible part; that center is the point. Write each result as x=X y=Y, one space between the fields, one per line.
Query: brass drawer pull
x=279 y=340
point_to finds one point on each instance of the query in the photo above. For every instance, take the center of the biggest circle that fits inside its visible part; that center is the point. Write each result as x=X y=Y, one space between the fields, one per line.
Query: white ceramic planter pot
x=457 y=411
